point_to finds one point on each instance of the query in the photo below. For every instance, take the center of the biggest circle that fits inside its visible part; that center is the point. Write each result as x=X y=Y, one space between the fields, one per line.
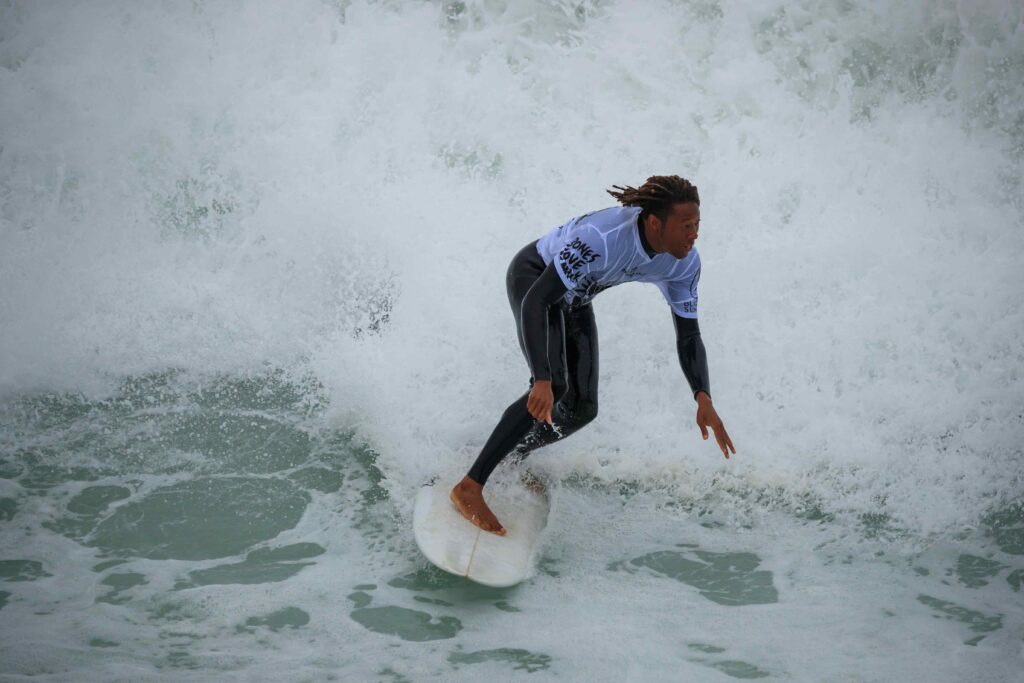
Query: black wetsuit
x=560 y=344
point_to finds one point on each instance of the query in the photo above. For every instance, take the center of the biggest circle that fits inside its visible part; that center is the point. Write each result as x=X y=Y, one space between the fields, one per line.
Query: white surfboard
x=456 y=545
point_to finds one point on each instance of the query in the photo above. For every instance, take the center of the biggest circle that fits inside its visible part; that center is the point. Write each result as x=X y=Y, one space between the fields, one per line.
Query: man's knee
x=576 y=414
x=584 y=412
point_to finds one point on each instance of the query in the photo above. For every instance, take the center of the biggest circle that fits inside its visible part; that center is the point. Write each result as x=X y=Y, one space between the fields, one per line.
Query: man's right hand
x=541 y=401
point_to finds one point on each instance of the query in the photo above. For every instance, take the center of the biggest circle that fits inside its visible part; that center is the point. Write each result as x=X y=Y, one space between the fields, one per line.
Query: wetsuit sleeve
x=545 y=292
x=692 y=356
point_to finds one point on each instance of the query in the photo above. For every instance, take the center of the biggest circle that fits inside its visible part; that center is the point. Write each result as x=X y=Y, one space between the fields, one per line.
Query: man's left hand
x=707 y=417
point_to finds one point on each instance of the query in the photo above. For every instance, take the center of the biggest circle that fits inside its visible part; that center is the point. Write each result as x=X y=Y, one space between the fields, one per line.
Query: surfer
x=550 y=284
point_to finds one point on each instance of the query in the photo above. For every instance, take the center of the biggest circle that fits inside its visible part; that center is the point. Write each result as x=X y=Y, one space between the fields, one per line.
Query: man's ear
x=656 y=224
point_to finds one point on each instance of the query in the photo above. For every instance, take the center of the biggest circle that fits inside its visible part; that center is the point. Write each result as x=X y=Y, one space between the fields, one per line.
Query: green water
x=212 y=526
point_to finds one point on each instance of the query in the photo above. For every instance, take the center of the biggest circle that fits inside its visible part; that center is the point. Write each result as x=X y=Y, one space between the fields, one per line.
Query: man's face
x=679 y=231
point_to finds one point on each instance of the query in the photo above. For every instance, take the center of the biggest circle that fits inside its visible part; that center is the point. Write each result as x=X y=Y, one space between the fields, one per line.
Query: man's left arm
x=693 y=360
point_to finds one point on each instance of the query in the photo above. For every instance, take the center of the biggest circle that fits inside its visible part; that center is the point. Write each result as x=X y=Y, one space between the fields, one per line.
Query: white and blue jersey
x=602 y=249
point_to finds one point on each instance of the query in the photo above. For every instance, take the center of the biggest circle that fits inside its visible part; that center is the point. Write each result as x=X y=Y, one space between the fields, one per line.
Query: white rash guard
x=602 y=249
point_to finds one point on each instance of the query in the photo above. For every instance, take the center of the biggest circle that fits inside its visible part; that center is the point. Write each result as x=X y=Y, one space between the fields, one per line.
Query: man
x=550 y=284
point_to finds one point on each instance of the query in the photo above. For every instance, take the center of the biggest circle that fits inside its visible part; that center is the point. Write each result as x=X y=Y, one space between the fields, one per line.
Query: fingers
x=538 y=408
x=707 y=417
x=540 y=405
x=539 y=411
x=721 y=444
x=724 y=442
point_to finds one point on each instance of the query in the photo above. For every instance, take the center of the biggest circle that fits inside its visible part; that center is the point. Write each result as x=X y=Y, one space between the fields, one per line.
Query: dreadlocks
x=658 y=194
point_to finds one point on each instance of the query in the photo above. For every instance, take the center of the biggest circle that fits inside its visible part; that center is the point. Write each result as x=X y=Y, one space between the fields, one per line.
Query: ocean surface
x=252 y=262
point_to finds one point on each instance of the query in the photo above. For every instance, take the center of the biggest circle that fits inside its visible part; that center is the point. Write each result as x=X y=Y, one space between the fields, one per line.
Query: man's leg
x=516 y=421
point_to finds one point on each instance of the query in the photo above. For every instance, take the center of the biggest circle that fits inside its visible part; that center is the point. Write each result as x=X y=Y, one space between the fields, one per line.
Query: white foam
x=219 y=186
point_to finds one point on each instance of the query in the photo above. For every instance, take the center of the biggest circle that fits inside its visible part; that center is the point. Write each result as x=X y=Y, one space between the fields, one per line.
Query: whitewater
x=252 y=262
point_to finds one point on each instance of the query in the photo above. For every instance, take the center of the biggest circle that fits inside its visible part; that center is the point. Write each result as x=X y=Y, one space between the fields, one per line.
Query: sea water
x=252 y=296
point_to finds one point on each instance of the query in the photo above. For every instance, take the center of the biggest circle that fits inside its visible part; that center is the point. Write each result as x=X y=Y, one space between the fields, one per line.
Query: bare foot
x=468 y=498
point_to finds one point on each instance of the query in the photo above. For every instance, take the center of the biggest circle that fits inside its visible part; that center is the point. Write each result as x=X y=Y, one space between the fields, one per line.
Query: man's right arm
x=544 y=293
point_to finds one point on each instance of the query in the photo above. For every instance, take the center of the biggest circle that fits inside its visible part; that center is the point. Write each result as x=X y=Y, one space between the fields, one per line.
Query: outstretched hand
x=707 y=417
